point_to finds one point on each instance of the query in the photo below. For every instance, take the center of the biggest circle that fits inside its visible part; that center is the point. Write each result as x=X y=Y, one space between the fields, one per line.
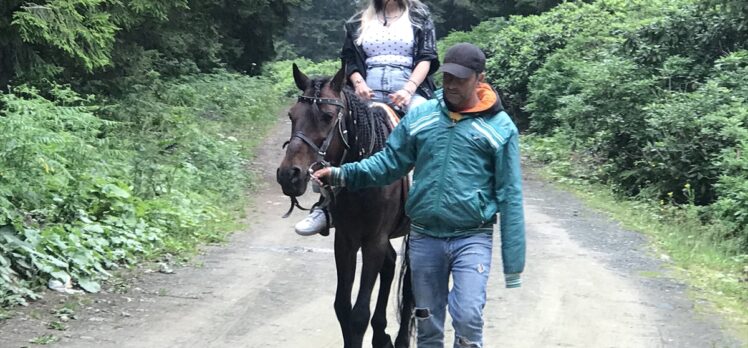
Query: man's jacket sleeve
x=386 y=166
x=508 y=187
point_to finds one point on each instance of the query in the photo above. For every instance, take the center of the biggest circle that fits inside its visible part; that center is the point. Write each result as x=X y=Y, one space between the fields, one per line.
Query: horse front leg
x=373 y=255
x=380 y=338
x=345 y=264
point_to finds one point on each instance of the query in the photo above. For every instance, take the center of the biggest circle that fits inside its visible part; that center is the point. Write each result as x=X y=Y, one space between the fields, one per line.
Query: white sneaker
x=312 y=224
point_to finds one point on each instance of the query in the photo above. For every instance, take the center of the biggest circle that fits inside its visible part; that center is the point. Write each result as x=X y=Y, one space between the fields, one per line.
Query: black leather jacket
x=424 y=48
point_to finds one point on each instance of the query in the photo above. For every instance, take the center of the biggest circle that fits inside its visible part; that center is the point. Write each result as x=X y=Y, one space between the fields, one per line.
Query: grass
x=5 y=314
x=714 y=273
x=57 y=325
x=44 y=339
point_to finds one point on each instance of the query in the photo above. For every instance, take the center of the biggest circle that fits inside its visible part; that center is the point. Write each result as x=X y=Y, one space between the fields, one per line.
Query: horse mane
x=360 y=123
x=363 y=119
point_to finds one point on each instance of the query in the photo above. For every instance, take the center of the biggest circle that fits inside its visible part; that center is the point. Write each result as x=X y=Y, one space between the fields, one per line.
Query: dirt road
x=588 y=283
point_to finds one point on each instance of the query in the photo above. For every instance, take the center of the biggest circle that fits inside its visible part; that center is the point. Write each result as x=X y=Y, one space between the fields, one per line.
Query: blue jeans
x=387 y=79
x=432 y=260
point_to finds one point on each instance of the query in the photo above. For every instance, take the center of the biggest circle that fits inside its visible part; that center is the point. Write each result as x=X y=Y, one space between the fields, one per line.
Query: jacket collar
x=489 y=105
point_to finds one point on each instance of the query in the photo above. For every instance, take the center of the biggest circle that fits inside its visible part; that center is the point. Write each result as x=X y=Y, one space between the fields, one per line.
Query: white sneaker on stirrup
x=312 y=224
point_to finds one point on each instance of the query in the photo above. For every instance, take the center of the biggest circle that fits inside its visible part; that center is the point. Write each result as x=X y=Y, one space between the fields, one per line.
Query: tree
x=462 y=15
x=92 y=40
x=315 y=29
x=39 y=39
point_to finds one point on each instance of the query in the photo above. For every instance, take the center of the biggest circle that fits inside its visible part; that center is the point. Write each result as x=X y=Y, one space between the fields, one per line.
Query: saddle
x=393 y=115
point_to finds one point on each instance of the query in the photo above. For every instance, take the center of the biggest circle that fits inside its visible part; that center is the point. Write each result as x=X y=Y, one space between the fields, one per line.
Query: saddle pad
x=392 y=115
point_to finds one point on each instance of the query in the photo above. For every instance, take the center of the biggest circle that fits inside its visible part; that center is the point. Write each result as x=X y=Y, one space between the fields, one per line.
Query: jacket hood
x=489 y=103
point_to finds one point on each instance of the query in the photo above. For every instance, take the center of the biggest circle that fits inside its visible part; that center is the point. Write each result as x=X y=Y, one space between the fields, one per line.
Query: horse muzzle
x=293 y=180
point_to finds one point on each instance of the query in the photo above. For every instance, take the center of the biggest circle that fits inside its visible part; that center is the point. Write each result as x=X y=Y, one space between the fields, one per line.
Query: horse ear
x=302 y=81
x=338 y=81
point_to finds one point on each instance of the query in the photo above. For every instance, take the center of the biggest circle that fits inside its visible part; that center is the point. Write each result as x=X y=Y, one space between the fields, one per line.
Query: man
x=465 y=151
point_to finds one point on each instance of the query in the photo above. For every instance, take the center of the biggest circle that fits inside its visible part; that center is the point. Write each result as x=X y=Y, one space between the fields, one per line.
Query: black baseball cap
x=463 y=60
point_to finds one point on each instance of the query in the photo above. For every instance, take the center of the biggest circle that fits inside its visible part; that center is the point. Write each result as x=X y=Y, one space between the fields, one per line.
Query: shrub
x=85 y=189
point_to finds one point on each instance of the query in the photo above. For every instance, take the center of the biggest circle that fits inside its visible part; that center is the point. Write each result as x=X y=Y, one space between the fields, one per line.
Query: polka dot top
x=391 y=45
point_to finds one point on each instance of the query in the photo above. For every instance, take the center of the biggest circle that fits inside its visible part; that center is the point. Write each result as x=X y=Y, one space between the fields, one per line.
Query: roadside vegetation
x=642 y=107
x=126 y=132
x=90 y=187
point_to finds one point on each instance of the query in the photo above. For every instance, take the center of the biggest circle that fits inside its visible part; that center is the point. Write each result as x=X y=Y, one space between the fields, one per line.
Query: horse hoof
x=387 y=344
x=402 y=344
x=383 y=342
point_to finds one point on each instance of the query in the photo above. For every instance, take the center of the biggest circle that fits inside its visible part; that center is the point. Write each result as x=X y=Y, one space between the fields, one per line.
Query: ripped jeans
x=432 y=260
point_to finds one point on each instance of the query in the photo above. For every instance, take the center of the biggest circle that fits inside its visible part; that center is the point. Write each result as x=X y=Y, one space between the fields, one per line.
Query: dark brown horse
x=331 y=125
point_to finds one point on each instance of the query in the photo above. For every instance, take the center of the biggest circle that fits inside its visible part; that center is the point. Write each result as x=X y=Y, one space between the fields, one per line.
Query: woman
x=389 y=54
x=390 y=51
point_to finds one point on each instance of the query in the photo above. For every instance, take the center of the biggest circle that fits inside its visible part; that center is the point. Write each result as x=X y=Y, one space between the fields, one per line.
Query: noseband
x=321 y=151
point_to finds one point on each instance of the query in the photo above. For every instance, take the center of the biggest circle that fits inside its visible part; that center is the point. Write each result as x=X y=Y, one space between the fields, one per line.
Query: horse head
x=317 y=130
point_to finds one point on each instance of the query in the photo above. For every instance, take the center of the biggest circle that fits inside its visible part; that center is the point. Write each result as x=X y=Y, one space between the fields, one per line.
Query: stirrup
x=328 y=222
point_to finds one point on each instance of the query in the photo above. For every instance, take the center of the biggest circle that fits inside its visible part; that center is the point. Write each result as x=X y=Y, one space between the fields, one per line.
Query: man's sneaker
x=314 y=223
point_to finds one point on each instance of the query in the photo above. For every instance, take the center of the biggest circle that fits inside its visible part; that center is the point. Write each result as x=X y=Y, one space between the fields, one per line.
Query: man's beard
x=450 y=106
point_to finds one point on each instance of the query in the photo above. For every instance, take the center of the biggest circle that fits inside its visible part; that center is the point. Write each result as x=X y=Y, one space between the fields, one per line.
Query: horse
x=330 y=125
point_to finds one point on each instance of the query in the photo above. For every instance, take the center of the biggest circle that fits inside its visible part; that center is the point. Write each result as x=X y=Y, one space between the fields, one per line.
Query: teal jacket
x=465 y=172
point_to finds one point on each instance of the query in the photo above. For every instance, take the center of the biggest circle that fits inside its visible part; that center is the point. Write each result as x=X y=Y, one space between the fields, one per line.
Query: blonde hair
x=369 y=15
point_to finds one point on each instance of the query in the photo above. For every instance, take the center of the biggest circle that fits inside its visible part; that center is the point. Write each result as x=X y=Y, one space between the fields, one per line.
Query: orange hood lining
x=487 y=98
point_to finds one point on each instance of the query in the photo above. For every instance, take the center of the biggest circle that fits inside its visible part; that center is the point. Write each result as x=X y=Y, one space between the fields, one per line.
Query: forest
x=128 y=126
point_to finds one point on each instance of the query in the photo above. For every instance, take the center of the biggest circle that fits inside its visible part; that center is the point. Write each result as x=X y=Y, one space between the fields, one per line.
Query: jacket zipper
x=447 y=156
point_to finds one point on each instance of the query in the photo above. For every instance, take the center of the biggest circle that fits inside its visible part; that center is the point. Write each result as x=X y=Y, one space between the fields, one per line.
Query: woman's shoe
x=312 y=224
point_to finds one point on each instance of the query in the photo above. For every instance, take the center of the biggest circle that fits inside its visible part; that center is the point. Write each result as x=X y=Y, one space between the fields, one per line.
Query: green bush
x=645 y=95
x=86 y=189
x=597 y=100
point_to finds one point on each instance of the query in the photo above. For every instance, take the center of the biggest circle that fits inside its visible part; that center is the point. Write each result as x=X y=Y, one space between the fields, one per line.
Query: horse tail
x=406 y=300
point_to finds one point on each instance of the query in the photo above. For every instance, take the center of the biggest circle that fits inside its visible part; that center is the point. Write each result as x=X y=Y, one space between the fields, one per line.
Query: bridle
x=338 y=125
x=321 y=151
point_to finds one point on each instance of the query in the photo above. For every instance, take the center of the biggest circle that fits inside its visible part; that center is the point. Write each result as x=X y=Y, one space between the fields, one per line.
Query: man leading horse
x=465 y=151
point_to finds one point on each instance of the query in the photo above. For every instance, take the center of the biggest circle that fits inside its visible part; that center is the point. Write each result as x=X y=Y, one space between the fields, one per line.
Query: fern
x=81 y=29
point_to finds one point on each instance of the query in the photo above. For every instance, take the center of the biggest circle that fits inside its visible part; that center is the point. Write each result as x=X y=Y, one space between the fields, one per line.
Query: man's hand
x=322 y=176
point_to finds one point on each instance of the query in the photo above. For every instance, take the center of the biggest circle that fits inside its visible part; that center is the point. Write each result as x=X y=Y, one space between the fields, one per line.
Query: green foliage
x=518 y=50
x=95 y=43
x=281 y=75
x=695 y=138
x=649 y=97
x=79 y=28
x=452 y=15
x=44 y=340
x=315 y=29
x=87 y=189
